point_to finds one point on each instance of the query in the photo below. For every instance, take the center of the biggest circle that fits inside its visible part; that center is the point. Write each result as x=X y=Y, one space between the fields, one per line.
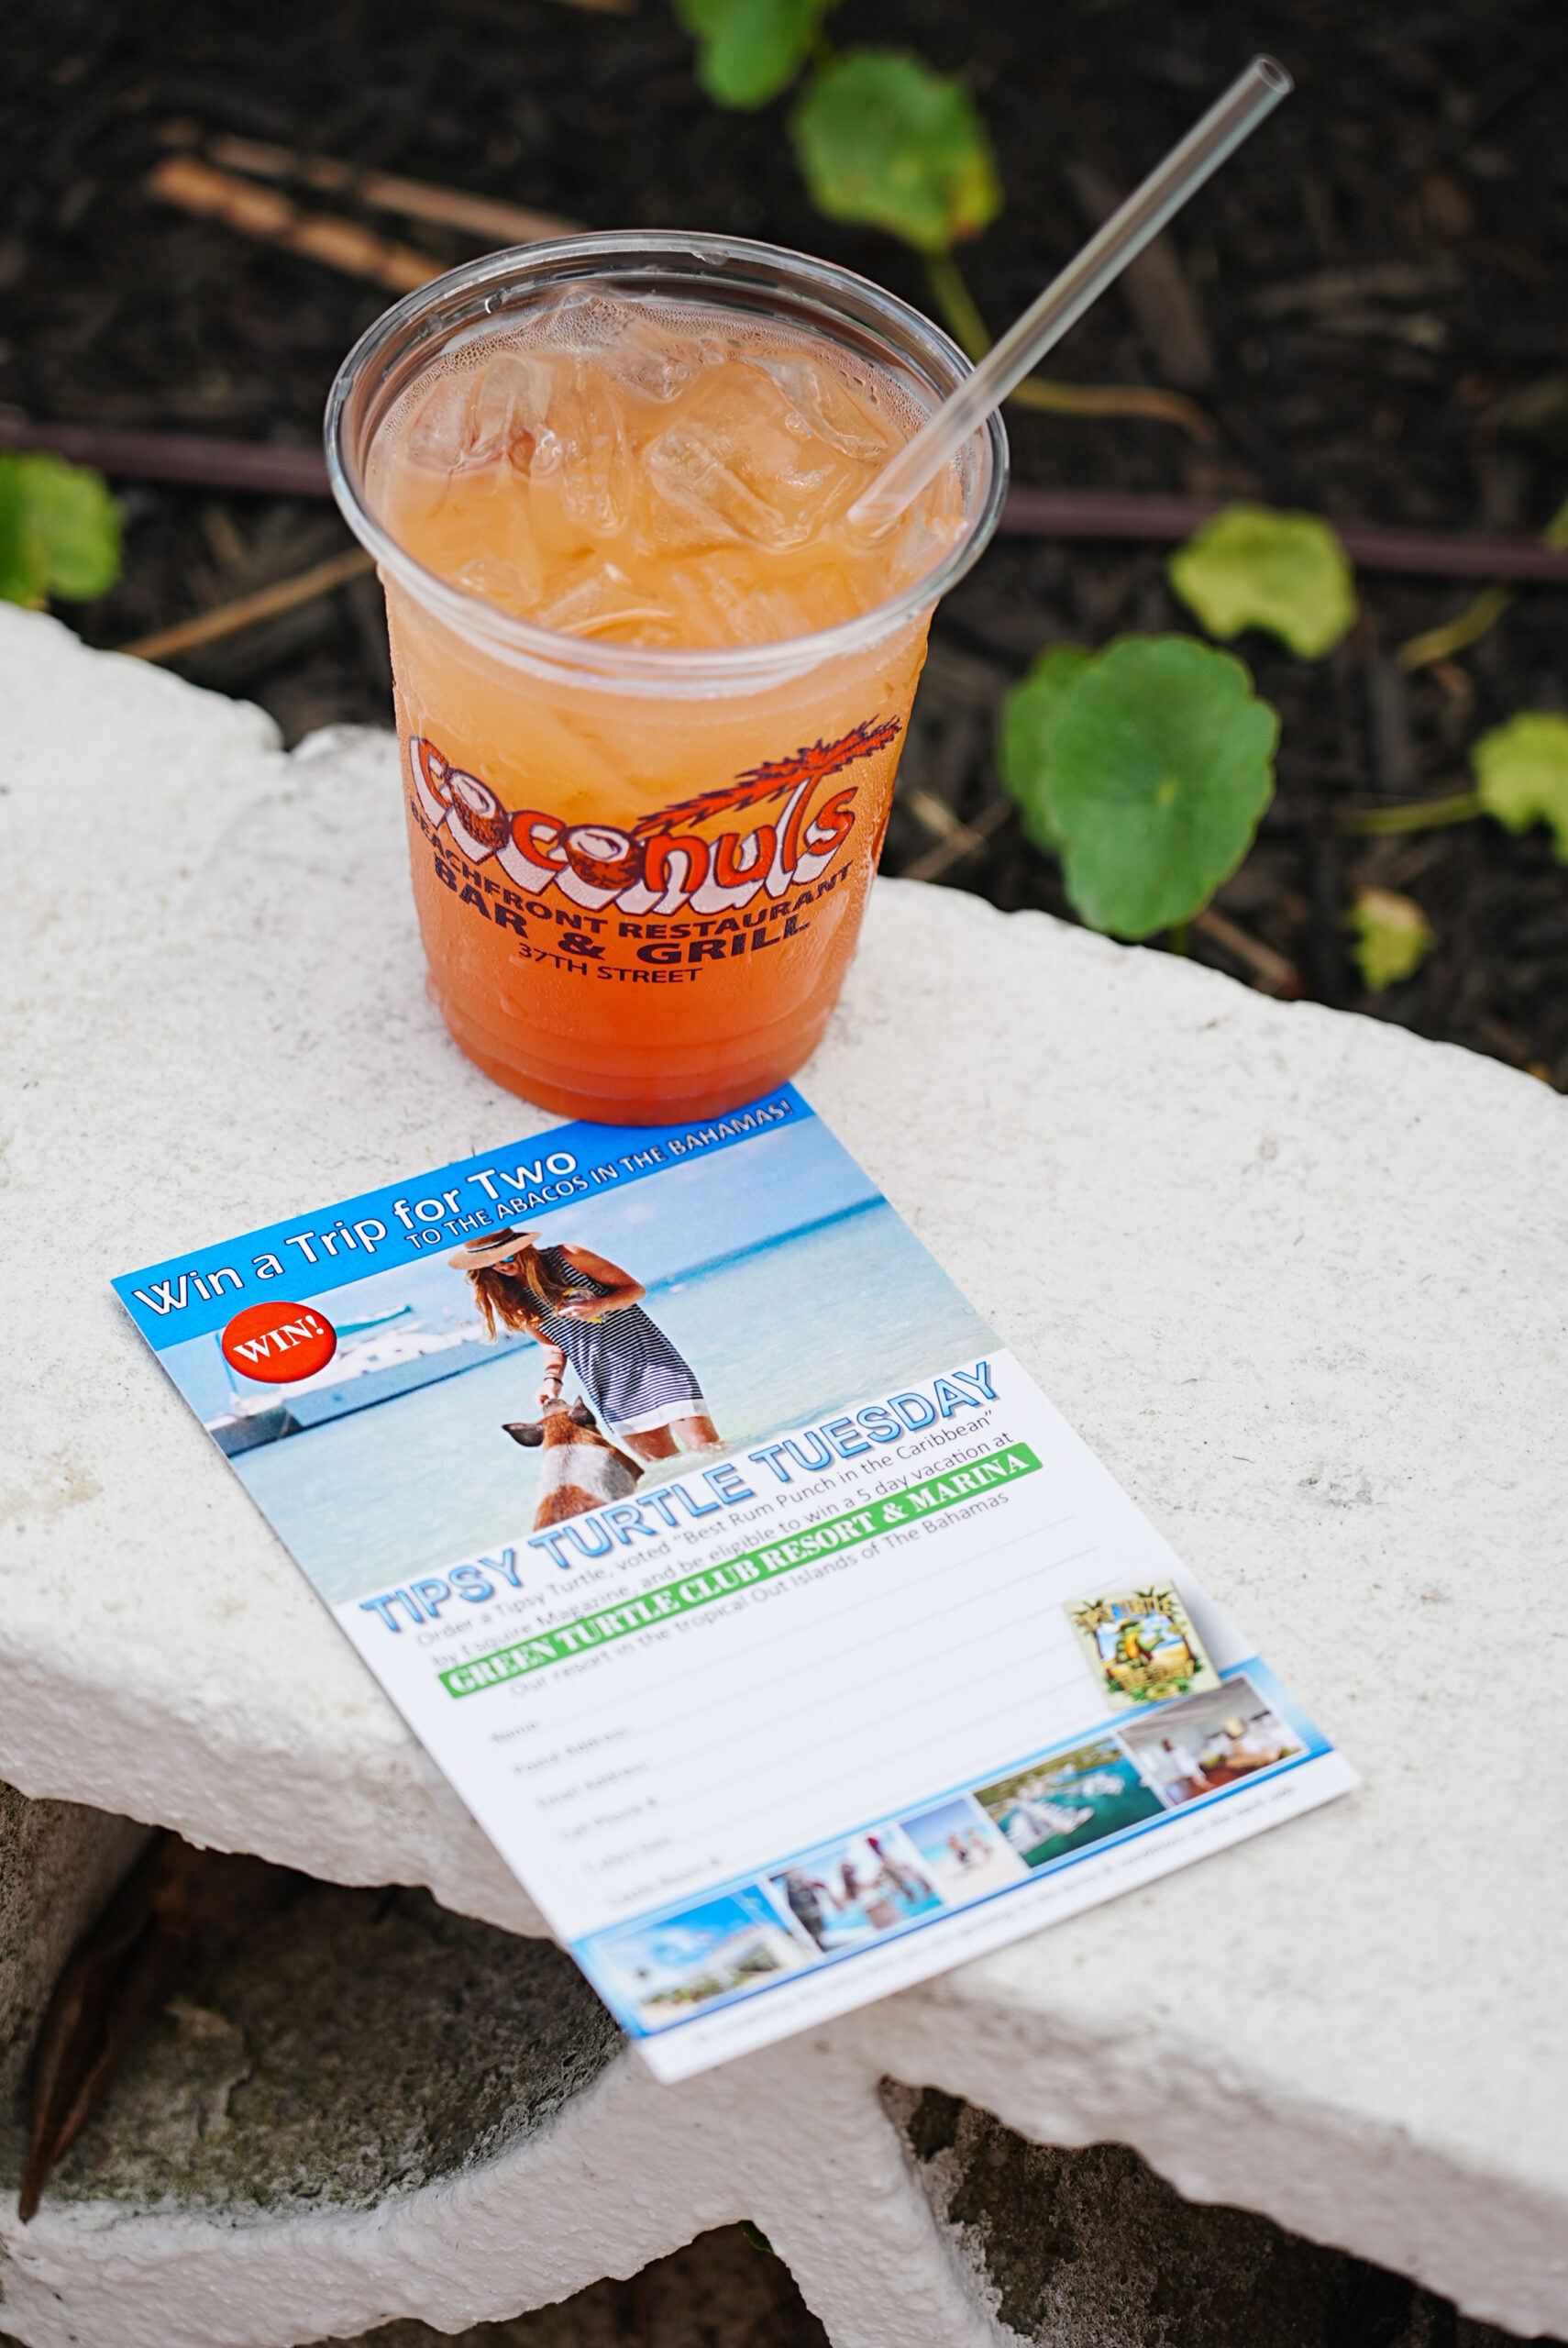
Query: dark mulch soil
x=1425 y=145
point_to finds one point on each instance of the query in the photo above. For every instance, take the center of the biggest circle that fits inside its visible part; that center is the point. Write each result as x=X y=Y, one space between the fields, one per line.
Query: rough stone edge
x=1483 y=2241
x=1500 y=2252
x=265 y=1812
x=797 y=2140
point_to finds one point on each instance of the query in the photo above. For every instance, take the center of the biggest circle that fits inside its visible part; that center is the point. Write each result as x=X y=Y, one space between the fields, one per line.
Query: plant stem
x=1468 y=627
x=1118 y=399
x=958 y=306
x=1179 y=937
x=1415 y=814
x=1478 y=618
x=959 y=312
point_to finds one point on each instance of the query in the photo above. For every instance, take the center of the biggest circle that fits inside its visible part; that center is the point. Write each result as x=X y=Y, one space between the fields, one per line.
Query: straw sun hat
x=478 y=1253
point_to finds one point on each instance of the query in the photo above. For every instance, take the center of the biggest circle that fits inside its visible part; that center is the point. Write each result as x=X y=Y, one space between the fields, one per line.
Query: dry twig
x=1273 y=973
x=175 y=1898
x=1156 y=521
x=447 y=207
x=176 y=457
x=962 y=840
x=260 y=212
x=1155 y=289
x=230 y=619
x=1087 y=514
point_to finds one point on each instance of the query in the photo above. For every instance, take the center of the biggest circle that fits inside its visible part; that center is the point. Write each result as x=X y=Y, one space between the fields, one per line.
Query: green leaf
x=883 y=140
x=60 y=531
x=21 y=575
x=1392 y=938
x=1251 y=567
x=747 y=51
x=1521 y=773
x=1147 y=767
x=1031 y=715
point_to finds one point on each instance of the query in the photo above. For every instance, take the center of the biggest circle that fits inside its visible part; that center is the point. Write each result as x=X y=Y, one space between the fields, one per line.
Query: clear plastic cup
x=640 y=871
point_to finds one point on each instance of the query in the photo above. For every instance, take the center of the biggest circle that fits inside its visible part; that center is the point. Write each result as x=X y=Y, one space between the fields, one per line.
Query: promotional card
x=786 y=1640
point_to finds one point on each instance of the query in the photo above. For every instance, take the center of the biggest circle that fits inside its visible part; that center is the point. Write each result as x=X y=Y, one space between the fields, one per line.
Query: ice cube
x=729 y=465
x=925 y=536
x=597 y=598
x=644 y=353
x=511 y=402
x=513 y=585
x=436 y=437
x=491 y=411
x=823 y=405
x=587 y=451
x=723 y=600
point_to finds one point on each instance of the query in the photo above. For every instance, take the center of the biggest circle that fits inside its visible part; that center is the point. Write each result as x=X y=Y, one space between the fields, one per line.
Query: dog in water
x=580 y=1468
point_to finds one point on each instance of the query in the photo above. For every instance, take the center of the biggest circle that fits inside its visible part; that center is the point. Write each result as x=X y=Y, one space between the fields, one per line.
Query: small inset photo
x=1211 y=1739
x=1075 y=1798
x=964 y=1853
x=1141 y=1647
x=664 y=1972
x=848 y=1892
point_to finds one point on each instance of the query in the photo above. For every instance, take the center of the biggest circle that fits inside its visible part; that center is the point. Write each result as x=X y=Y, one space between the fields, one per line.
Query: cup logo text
x=663 y=865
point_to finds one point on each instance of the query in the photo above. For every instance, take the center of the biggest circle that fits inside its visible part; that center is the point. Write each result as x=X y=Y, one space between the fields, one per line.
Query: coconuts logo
x=662 y=864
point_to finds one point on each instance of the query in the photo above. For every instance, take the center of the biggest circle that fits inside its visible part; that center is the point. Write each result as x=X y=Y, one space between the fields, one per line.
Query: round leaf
x=60 y=531
x=747 y=51
x=77 y=522
x=1031 y=715
x=1521 y=773
x=1392 y=938
x=883 y=140
x=23 y=576
x=1251 y=567
x=1159 y=768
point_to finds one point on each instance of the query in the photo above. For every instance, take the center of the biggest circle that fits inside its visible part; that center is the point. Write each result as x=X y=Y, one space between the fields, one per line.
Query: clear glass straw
x=1232 y=118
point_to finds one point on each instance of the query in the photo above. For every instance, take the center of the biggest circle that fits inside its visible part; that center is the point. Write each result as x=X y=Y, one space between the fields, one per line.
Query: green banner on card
x=892 y=1512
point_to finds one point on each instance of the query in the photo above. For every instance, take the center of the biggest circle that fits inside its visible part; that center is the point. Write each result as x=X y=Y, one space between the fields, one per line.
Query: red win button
x=278 y=1342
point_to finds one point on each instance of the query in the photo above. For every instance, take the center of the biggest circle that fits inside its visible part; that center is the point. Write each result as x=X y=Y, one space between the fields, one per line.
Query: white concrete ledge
x=1301 y=1280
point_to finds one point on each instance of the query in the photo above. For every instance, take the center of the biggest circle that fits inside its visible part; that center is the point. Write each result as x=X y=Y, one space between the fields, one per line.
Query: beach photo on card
x=774 y=1272
x=1061 y=1803
x=660 y=1973
x=1140 y=1646
x=849 y=1893
x=963 y=1851
x=1209 y=1741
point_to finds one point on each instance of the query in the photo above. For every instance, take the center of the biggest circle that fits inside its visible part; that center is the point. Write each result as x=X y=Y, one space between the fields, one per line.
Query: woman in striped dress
x=587 y=1310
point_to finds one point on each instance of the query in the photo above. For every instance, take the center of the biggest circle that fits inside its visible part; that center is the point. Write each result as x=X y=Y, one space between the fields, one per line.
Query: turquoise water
x=783 y=1335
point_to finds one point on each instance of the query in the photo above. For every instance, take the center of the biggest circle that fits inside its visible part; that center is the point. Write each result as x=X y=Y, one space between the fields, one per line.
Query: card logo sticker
x=1141 y=1647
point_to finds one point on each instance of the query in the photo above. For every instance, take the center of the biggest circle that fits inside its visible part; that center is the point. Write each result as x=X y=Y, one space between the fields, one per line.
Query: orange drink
x=651 y=687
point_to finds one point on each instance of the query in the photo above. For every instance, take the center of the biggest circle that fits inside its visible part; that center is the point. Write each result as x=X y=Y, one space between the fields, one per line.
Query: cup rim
x=659 y=667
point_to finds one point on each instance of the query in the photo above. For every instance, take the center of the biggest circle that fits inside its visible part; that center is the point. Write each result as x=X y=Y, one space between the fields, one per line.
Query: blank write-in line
x=879 y=1639
x=799 y=1794
x=775 y=1639
x=759 y=1724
